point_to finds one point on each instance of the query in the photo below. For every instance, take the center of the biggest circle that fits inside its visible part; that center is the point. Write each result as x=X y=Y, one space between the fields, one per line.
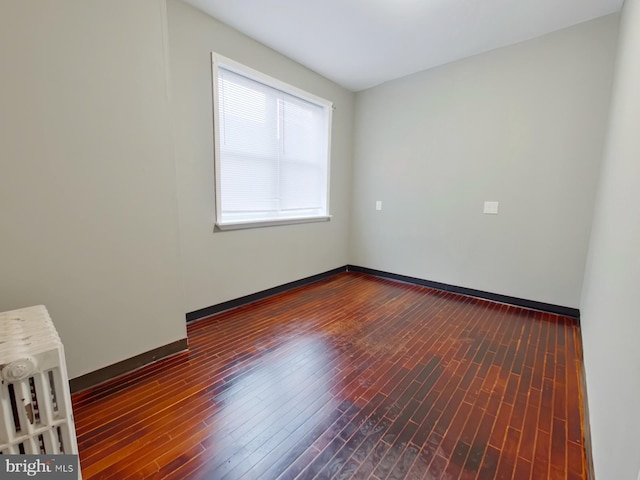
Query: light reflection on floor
x=254 y=413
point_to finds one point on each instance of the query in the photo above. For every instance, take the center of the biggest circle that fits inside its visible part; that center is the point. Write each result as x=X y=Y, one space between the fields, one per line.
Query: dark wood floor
x=351 y=377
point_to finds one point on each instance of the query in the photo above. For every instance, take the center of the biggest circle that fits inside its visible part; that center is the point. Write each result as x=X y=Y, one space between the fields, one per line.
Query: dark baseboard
x=125 y=366
x=586 y=424
x=254 y=297
x=495 y=297
x=107 y=373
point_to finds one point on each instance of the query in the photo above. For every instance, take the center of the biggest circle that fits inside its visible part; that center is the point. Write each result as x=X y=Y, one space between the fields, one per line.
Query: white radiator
x=35 y=404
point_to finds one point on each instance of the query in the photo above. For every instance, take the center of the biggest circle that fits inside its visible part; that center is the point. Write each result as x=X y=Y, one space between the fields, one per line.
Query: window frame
x=217 y=61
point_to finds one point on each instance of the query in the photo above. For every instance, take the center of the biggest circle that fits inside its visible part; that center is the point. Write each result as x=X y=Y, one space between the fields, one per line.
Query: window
x=271 y=143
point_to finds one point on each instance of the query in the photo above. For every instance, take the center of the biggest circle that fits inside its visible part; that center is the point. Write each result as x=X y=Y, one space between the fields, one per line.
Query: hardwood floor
x=351 y=377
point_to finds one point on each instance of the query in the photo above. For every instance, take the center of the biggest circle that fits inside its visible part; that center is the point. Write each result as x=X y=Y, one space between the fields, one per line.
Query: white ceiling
x=362 y=43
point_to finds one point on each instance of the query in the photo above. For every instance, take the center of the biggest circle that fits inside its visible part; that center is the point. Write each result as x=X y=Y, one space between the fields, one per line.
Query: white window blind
x=272 y=149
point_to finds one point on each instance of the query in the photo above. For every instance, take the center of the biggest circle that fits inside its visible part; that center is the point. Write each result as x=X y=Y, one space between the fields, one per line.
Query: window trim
x=218 y=60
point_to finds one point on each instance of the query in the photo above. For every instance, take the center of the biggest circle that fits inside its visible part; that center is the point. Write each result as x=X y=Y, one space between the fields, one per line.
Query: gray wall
x=523 y=125
x=105 y=179
x=222 y=266
x=610 y=319
x=88 y=207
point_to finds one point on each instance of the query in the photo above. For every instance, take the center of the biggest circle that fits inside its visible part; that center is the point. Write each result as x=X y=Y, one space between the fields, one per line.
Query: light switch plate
x=378 y=204
x=491 y=208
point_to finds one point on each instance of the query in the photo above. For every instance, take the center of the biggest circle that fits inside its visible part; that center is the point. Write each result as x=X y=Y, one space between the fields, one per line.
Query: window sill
x=224 y=226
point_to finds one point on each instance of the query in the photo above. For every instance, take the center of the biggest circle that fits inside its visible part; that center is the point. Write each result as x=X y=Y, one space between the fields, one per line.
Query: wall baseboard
x=495 y=297
x=125 y=366
x=586 y=425
x=254 y=297
x=107 y=373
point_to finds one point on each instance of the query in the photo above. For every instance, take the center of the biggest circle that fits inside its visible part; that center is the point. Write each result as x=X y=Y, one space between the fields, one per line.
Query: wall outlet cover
x=491 y=208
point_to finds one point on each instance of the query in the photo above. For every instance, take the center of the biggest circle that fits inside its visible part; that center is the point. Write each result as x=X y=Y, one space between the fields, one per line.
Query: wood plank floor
x=351 y=377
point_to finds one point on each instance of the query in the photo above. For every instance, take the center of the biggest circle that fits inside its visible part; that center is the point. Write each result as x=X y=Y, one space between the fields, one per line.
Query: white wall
x=221 y=266
x=523 y=125
x=88 y=208
x=610 y=314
